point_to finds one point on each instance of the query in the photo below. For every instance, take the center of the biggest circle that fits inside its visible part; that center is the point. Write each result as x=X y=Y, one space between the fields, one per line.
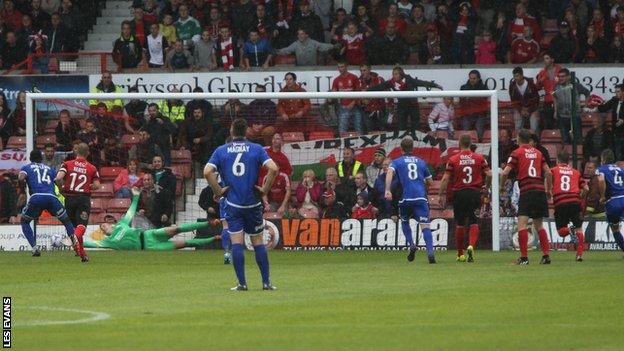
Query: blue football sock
x=225 y=240
x=262 y=259
x=428 y=241
x=619 y=239
x=69 y=227
x=28 y=232
x=407 y=231
x=238 y=260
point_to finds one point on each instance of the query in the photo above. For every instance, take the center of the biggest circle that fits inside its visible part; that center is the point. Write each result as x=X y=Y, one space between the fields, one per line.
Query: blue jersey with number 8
x=412 y=172
x=239 y=163
x=614 y=179
x=39 y=177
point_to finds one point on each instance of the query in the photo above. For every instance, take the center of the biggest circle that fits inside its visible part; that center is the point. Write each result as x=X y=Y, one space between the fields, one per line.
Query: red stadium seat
x=42 y=140
x=181 y=156
x=110 y=173
x=97 y=205
x=505 y=121
x=550 y=136
x=129 y=139
x=16 y=142
x=285 y=60
x=118 y=205
x=106 y=190
x=321 y=135
x=293 y=137
x=50 y=126
x=434 y=202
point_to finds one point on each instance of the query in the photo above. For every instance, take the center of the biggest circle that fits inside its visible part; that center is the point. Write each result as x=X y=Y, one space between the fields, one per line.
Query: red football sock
x=473 y=235
x=459 y=240
x=581 y=243
x=563 y=232
x=79 y=232
x=543 y=239
x=523 y=241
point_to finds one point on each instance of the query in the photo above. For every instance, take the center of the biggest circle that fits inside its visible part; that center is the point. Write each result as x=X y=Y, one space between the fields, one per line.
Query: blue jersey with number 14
x=412 y=172
x=39 y=177
x=238 y=164
x=614 y=179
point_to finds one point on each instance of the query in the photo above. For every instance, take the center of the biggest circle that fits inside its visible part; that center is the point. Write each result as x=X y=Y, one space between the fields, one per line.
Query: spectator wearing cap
x=615 y=105
x=261 y=115
x=524 y=49
x=524 y=97
x=204 y=52
x=442 y=116
x=566 y=110
x=127 y=50
x=375 y=168
x=309 y=22
x=564 y=46
x=155 y=47
x=331 y=207
x=292 y=111
x=257 y=51
x=522 y=19
x=179 y=58
x=306 y=50
x=134 y=112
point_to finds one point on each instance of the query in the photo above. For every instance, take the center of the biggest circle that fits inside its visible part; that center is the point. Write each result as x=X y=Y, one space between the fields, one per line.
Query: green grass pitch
x=326 y=301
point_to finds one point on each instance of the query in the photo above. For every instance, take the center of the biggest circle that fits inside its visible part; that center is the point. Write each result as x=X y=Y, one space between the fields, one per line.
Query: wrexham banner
x=319 y=154
x=12 y=159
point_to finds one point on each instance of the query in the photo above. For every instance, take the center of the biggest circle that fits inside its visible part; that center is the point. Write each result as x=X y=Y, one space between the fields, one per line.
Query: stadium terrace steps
x=105 y=32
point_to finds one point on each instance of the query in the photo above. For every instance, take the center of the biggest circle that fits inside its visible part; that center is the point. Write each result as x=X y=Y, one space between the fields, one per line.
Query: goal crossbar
x=32 y=98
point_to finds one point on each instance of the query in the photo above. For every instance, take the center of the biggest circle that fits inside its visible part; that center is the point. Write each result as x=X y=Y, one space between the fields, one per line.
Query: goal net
x=308 y=134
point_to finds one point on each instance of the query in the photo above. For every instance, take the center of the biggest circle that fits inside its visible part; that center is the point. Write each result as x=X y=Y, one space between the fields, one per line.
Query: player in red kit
x=467 y=170
x=567 y=189
x=535 y=180
x=77 y=178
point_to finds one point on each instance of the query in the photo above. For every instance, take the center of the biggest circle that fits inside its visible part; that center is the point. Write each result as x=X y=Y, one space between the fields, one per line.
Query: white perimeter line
x=94 y=316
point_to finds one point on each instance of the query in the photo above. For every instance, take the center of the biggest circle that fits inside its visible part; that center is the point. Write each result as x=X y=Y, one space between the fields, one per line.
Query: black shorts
x=78 y=208
x=533 y=204
x=566 y=213
x=465 y=204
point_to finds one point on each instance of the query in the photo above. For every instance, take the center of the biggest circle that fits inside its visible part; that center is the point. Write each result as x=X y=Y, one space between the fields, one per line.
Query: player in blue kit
x=40 y=180
x=415 y=178
x=238 y=164
x=611 y=180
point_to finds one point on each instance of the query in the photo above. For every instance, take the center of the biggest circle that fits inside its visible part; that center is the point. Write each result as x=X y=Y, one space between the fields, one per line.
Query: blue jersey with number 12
x=412 y=172
x=238 y=164
x=614 y=179
x=39 y=177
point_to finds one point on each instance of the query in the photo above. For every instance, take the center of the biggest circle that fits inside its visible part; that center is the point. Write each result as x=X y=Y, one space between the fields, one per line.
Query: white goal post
x=32 y=98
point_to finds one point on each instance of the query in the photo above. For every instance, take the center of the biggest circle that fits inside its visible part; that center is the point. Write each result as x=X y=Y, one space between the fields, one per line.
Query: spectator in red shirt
x=525 y=100
x=486 y=50
x=524 y=49
x=292 y=112
x=363 y=209
x=275 y=153
x=12 y=17
x=279 y=195
x=353 y=44
x=393 y=16
x=374 y=110
x=618 y=24
x=140 y=27
x=516 y=27
x=349 y=109
x=547 y=79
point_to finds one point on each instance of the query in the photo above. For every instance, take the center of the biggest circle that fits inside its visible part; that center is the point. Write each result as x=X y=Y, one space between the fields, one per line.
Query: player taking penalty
x=467 y=170
x=534 y=178
x=611 y=180
x=414 y=176
x=238 y=163
x=567 y=193
x=77 y=178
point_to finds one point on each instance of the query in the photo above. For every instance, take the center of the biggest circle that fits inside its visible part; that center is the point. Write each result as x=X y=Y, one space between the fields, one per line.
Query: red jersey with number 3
x=79 y=175
x=567 y=184
x=467 y=169
x=528 y=161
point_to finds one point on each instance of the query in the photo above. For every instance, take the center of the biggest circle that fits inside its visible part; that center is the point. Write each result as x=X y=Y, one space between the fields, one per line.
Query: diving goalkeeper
x=121 y=236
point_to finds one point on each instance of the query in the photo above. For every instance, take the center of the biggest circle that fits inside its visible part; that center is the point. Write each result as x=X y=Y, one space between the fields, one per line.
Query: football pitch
x=329 y=300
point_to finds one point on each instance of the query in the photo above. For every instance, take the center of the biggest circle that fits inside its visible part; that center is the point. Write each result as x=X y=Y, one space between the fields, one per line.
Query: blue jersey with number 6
x=39 y=177
x=238 y=163
x=614 y=179
x=412 y=173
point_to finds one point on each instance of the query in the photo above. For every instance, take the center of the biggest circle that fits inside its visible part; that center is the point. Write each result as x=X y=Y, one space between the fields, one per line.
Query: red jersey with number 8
x=527 y=162
x=567 y=184
x=467 y=169
x=79 y=175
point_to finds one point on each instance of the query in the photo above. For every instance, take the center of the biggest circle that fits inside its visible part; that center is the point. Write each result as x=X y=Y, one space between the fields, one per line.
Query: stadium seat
x=129 y=139
x=272 y=215
x=97 y=205
x=505 y=121
x=293 y=137
x=42 y=140
x=118 y=205
x=550 y=136
x=587 y=119
x=434 y=202
x=321 y=135
x=181 y=156
x=285 y=60
x=179 y=186
x=16 y=142
x=110 y=173
x=96 y=218
x=568 y=149
x=106 y=190
x=50 y=126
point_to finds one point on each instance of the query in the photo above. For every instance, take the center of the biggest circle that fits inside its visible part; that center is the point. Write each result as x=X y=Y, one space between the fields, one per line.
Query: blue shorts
x=615 y=210
x=222 y=208
x=418 y=209
x=247 y=220
x=40 y=202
